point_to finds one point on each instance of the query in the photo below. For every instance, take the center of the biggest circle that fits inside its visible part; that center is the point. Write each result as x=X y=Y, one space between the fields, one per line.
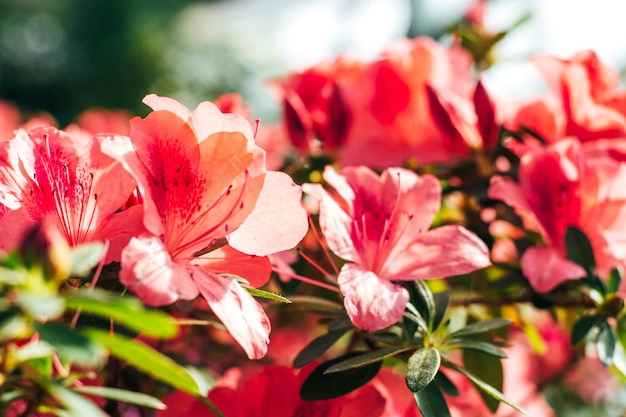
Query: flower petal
x=545 y=268
x=372 y=303
x=442 y=252
x=254 y=269
x=242 y=315
x=278 y=221
x=149 y=272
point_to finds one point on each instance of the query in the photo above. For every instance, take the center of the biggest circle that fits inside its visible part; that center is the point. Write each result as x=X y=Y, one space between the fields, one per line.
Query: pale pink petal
x=158 y=103
x=254 y=269
x=441 y=252
x=150 y=273
x=511 y=193
x=207 y=119
x=13 y=227
x=118 y=229
x=545 y=268
x=278 y=221
x=372 y=303
x=242 y=315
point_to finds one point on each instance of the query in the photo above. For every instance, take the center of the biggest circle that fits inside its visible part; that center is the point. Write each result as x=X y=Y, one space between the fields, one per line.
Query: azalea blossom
x=46 y=173
x=380 y=225
x=211 y=211
x=567 y=184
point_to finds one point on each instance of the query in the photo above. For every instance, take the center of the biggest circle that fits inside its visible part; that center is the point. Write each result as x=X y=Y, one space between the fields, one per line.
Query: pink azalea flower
x=379 y=224
x=46 y=173
x=565 y=185
x=210 y=209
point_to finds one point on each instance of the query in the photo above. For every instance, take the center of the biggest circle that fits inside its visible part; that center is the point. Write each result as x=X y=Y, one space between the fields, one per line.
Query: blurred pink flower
x=379 y=224
x=210 y=210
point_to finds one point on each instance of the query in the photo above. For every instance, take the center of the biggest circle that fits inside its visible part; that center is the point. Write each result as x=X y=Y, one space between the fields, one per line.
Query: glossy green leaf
x=317 y=347
x=147 y=360
x=442 y=299
x=488 y=389
x=582 y=326
x=615 y=280
x=424 y=302
x=74 y=405
x=489 y=370
x=422 y=367
x=481 y=346
x=479 y=328
x=40 y=304
x=579 y=248
x=321 y=386
x=431 y=402
x=620 y=330
x=446 y=385
x=85 y=257
x=605 y=343
x=366 y=359
x=122 y=395
x=127 y=311
x=255 y=292
x=71 y=346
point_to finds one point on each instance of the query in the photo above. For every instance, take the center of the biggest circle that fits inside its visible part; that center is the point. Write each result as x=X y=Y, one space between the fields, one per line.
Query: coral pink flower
x=274 y=391
x=210 y=209
x=566 y=185
x=379 y=224
x=392 y=118
x=46 y=173
x=9 y=120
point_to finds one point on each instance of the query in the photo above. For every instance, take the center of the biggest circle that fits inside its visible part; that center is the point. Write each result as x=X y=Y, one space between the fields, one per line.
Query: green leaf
x=605 y=343
x=424 y=302
x=489 y=369
x=317 y=347
x=255 y=292
x=70 y=345
x=85 y=257
x=146 y=360
x=422 y=367
x=366 y=359
x=620 y=330
x=446 y=385
x=488 y=348
x=128 y=311
x=40 y=304
x=122 y=395
x=431 y=402
x=479 y=328
x=582 y=326
x=615 y=280
x=488 y=389
x=442 y=299
x=579 y=248
x=321 y=386
x=75 y=405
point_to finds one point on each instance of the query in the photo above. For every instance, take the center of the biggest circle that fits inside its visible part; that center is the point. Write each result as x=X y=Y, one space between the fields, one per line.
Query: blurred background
x=64 y=56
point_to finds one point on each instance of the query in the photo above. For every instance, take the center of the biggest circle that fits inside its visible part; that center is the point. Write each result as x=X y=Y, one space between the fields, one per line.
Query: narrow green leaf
x=582 y=326
x=431 y=402
x=579 y=248
x=485 y=387
x=620 y=330
x=615 y=280
x=424 y=302
x=85 y=257
x=479 y=328
x=255 y=292
x=482 y=346
x=75 y=405
x=70 y=345
x=340 y=323
x=446 y=385
x=442 y=299
x=317 y=347
x=605 y=343
x=489 y=370
x=127 y=311
x=422 y=367
x=146 y=360
x=366 y=359
x=122 y=395
x=414 y=317
x=320 y=386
